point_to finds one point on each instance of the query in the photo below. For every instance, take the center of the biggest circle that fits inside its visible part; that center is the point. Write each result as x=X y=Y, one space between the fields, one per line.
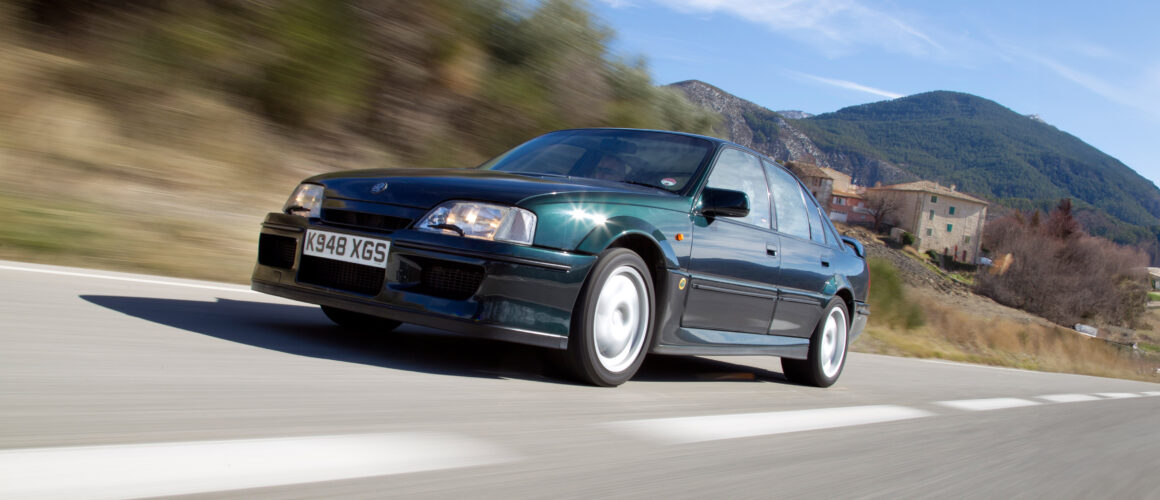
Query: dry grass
x=172 y=183
x=955 y=334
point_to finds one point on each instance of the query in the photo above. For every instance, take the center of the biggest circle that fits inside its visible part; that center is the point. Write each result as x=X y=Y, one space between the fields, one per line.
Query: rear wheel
x=827 y=355
x=613 y=322
x=360 y=322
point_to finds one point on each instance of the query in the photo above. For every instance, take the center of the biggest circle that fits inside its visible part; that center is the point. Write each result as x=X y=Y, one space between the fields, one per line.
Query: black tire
x=359 y=322
x=820 y=368
x=595 y=351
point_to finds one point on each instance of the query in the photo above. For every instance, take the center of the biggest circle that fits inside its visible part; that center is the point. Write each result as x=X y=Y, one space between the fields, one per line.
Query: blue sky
x=1091 y=69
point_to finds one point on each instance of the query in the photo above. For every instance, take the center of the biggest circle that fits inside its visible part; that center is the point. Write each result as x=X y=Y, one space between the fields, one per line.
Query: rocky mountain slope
x=777 y=135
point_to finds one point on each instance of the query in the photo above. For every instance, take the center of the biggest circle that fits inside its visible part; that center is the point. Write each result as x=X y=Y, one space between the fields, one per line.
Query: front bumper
x=473 y=287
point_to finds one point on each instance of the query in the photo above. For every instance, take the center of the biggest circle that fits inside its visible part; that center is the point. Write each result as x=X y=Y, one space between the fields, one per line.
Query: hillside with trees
x=441 y=82
x=989 y=150
x=117 y=117
x=983 y=148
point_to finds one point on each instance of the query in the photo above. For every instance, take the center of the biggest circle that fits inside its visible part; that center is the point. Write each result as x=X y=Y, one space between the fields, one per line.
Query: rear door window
x=788 y=203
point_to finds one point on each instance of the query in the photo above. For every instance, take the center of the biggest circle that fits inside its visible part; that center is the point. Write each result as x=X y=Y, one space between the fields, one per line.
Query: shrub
x=1057 y=271
x=888 y=301
x=907 y=239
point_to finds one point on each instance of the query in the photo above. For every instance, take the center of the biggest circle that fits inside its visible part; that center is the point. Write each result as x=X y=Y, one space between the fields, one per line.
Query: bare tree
x=881 y=205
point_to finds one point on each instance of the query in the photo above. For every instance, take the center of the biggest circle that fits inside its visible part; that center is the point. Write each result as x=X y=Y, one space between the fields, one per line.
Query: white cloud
x=848 y=85
x=1134 y=85
x=835 y=27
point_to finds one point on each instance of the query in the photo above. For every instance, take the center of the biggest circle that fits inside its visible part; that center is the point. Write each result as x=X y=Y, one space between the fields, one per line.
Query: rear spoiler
x=856 y=245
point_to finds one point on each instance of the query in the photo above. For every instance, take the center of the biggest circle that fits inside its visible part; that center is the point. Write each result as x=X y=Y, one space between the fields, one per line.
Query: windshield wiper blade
x=645 y=184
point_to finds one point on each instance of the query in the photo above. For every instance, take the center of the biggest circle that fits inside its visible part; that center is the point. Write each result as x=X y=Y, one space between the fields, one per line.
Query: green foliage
x=989 y=150
x=888 y=301
x=907 y=239
x=763 y=123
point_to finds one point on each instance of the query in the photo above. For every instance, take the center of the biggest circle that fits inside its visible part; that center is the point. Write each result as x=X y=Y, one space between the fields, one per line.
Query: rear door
x=806 y=257
x=734 y=260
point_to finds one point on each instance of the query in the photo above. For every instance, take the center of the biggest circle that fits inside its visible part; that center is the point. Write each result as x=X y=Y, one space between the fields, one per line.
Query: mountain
x=794 y=114
x=746 y=123
x=984 y=148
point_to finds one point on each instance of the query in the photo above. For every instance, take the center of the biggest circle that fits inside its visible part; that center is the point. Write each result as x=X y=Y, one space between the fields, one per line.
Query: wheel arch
x=640 y=238
x=847 y=297
x=619 y=231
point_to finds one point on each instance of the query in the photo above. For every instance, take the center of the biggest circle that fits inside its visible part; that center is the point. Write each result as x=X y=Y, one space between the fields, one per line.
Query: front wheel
x=827 y=355
x=613 y=320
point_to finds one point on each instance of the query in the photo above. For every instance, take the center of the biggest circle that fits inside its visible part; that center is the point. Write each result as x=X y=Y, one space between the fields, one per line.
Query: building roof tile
x=932 y=188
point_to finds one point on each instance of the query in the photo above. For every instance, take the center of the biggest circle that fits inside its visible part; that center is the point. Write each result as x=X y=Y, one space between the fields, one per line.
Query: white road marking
x=1068 y=398
x=140 y=470
x=1117 y=395
x=222 y=287
x=973 y=365
x=1152 y=393
x=683 y=430
x=988 y=404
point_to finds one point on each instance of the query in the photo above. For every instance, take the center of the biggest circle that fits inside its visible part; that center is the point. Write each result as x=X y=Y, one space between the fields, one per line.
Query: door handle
x=771 y=250
x=825 y=263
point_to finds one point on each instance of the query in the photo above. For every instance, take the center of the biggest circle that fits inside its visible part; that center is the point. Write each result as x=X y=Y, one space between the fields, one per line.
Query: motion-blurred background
x=153 y=135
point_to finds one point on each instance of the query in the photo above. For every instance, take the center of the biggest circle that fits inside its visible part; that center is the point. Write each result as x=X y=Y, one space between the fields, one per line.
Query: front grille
x=276 y=251
x=450 y=280
x=341 y=275
x=363 y=219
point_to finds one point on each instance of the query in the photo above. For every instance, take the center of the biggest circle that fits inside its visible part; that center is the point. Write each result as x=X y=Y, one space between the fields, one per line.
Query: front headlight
x=306 y=201
x=481 y=220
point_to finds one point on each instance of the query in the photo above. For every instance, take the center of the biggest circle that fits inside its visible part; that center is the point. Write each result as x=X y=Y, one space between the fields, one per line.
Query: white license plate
x=346 y=247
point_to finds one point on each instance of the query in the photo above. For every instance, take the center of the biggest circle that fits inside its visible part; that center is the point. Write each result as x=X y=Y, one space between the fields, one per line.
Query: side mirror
x=724 y=203
x=856 y=245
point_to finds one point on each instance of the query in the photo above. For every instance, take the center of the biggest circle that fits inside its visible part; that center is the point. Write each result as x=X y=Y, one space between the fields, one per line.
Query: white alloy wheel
x=620 y=321
x=833 y=349
x=827 y=351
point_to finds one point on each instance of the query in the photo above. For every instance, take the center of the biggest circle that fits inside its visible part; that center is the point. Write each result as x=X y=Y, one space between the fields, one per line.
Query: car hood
x=425 y=188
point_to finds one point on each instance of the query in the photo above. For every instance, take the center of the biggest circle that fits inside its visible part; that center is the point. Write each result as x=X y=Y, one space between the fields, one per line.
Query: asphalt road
x=116 y=385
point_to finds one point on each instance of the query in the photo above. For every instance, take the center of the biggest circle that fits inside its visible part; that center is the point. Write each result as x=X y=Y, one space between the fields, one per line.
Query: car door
x=805 y=256
x=734 y=260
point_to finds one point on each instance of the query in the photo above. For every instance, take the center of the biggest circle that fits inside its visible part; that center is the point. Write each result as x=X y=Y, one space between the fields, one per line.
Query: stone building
x=940 y=218
x=820 y=184
x=847 y=204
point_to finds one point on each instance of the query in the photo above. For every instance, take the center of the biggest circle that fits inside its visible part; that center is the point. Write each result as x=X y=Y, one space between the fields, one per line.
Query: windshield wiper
x=645 y=184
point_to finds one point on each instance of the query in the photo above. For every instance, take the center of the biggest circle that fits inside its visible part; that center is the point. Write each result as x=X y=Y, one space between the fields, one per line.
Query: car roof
x=670 y=132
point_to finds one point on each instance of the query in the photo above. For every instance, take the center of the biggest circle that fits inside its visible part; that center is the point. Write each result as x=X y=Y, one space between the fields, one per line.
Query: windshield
x=657 y=159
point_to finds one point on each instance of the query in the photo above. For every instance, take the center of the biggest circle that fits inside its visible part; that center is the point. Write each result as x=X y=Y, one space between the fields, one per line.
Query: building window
x=931 y=215
x=929 y=231
x=966 y=239
x=950 y=227
x=952 y=210
x=933 y=199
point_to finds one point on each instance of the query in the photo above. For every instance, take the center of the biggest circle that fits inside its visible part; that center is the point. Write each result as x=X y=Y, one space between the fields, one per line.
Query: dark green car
x=603 y=243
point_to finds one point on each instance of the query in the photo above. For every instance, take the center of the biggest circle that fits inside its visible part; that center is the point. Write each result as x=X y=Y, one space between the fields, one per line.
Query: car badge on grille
x=378 y=188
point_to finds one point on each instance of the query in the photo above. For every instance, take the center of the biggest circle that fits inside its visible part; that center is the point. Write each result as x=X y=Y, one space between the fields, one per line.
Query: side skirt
x=700 y=342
